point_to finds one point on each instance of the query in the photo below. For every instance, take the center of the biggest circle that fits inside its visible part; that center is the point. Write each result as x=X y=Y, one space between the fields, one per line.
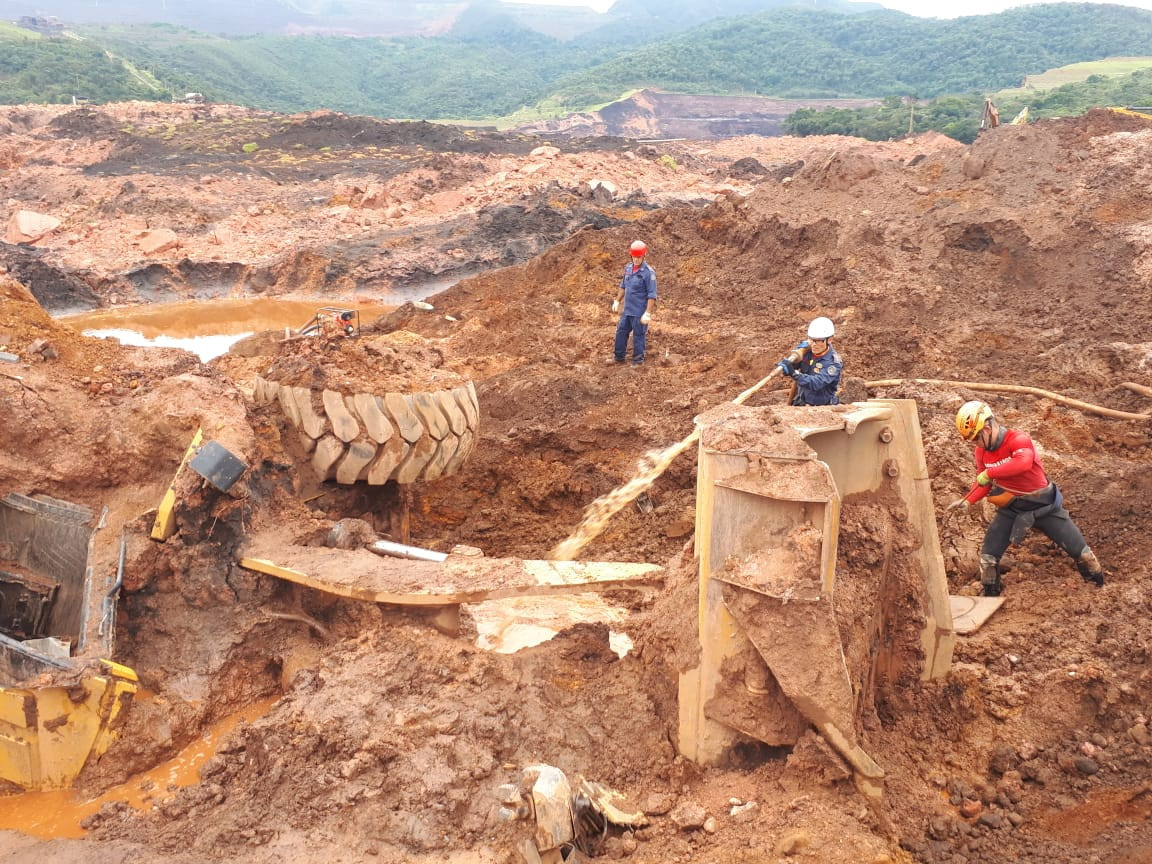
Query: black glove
x=788 y=368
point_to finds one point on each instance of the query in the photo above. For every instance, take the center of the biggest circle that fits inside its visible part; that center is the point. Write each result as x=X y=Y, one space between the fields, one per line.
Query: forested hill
x=489 y=65
x=391 y=18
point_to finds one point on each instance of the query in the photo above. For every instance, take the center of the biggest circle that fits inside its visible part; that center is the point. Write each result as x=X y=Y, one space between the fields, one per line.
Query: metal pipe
x=399 y=550
x=109 y=598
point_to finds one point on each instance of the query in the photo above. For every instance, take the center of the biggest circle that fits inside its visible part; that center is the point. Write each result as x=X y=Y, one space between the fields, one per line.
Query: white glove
x=646 y=318
x=615 y=305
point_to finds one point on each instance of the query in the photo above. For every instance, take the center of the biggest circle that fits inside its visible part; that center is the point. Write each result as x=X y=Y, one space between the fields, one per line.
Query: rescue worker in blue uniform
x=817 y=373
x=638 y=294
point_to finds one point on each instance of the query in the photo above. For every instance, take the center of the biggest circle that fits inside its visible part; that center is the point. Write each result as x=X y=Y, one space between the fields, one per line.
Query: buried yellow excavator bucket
x=48 y=733
x=793 y=634
x=60 y=704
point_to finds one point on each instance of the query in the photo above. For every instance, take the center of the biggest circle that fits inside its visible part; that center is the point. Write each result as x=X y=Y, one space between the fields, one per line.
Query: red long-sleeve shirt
x=1013 y=465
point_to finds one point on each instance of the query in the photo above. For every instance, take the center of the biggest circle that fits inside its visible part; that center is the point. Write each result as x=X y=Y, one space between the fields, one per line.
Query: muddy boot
x=1089 y=567
x=990 y=576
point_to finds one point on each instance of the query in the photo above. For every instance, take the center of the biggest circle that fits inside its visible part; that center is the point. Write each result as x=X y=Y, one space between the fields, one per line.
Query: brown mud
x=1022 y=259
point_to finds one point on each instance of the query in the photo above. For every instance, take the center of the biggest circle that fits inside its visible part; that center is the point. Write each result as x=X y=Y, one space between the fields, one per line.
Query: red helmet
x=638 y=249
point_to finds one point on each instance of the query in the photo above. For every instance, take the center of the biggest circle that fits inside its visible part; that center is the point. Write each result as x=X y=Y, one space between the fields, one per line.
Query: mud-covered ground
x=1021 y=260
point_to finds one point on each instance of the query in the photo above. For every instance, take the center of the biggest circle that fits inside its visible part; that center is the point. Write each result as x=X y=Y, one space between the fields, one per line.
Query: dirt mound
x=330 y=129
x=84 y=123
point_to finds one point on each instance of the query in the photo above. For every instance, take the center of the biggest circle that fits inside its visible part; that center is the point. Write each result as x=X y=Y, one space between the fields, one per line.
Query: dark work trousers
x=630 y=325
x=1013 y=521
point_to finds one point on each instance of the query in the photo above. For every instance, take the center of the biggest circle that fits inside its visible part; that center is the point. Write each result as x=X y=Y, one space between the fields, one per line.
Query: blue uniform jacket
x=639 y=286
x=818 y=378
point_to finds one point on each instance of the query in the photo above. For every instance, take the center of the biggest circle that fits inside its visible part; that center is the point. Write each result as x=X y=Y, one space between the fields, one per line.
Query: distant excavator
x=991 y=116
x=332 y=318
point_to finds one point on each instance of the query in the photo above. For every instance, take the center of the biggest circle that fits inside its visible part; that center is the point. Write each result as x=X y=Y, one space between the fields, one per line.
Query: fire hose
x=1020 y=388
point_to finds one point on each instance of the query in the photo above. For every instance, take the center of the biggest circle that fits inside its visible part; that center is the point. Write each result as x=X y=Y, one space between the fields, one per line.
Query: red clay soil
x=1022 y=259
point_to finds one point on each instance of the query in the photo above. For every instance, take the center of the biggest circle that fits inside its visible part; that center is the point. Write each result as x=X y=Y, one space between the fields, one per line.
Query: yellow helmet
x=971 y=418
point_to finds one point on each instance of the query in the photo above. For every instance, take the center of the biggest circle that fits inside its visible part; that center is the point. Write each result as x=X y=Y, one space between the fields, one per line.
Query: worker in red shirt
x=1012 y=478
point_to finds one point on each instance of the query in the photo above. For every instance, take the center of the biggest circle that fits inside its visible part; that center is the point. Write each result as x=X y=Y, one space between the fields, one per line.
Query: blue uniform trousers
x=630 y=325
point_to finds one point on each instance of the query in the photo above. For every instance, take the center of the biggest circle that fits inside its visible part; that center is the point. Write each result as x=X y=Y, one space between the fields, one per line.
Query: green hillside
x=959 y=116
x=492 y=66
x=35 y=68
x=797 y=53
x=1074 y=73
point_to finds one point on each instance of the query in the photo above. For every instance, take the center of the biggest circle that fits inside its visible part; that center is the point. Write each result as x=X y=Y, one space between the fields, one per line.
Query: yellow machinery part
x=48 y=734
x=1132 y=113
x=165 y=524
x=770 y=487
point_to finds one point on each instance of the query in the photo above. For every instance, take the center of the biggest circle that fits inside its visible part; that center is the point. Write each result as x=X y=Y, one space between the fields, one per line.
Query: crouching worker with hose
x=814 y=366
x=1011 y=477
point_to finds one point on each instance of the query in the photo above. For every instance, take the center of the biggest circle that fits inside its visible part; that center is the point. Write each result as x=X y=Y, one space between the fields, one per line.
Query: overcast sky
x=923 y=8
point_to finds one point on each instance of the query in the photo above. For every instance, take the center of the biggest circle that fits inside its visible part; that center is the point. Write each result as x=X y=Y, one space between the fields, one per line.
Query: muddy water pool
x=208 y=328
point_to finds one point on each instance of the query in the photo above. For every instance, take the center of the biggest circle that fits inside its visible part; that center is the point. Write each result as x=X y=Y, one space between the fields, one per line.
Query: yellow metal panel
x=66 y=732
x=165 y=524
x=1132 y=113
x=51 y=735
x=16 y=759
x=15 y=706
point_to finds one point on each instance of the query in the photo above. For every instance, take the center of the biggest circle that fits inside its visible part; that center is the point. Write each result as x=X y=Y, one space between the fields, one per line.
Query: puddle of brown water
x=59 y=813
x=190 y=318
x=207 y=328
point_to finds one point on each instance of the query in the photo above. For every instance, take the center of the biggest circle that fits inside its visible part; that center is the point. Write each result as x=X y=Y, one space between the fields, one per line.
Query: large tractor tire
x=374 y=439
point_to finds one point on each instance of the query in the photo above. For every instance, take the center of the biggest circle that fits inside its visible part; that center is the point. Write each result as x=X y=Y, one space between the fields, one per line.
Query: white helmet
x=821 y=328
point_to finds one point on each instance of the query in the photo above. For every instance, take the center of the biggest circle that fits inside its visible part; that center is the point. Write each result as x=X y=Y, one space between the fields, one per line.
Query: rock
x=743 y=813
x=375 y=198
x=970 y=808
x=688 y=816
x=657 y=804
x=28 y=226
x=814 y=758
x=601 y=191
x=1086 y=765
x=974 y=167
x=350 y=534
x=44 y=348
x=155 y=242
x=793 y=843
x=1002 y=759
x=747 y=167
x=939 y=827
x=992 y=820
x=852 y=389
x=1140 y=734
